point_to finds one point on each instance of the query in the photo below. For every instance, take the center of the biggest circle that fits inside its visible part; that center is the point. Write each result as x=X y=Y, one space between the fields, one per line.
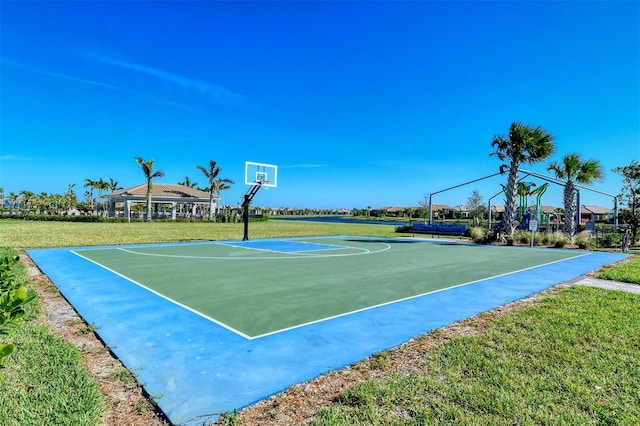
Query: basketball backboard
x=265 y=175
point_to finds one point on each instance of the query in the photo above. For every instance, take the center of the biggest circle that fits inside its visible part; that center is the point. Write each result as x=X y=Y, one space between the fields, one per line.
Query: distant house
x=549 y=209
x=463 y=210
x=594 y=213
x=497 y=210
x=179 y=199
x=442 y=211
x=396 y=211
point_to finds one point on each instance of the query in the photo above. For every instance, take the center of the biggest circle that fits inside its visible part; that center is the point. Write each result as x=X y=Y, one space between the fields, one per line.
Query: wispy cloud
x=32 y=68
x=303 y=166
x=11 y=158
x=213 y=92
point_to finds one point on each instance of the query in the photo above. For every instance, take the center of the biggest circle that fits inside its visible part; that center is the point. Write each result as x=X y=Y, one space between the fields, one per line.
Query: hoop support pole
x=248 y=197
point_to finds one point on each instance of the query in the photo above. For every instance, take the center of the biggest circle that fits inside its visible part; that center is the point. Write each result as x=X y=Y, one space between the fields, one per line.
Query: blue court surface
x=197 y=367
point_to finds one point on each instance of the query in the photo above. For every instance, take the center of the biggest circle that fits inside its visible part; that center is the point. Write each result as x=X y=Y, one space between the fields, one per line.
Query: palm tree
x=27 y=198
x=70 y=198
x=216 y=184
x=524 y=144
x=88 y=183
x=113 y=185
x=13 y=199
x=573 y=170
x=187 y=182
x=44 y=202
x=101 y=185
x=147 y=169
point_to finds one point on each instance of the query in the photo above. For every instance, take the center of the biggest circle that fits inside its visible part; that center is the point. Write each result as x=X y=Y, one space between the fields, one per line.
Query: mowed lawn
x=27 y=235
x=570 y=359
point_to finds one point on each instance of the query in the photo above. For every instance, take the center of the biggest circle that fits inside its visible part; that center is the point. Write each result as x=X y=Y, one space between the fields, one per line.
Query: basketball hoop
x=257 y=176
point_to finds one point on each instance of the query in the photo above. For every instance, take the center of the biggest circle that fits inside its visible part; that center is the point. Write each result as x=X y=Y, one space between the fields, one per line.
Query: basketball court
x=209 y=327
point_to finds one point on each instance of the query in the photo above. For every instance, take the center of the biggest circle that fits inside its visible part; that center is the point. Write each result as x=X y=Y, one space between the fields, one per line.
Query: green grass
x=626 y=271
x=26 y=235
x=44 y=382
x=571 y=359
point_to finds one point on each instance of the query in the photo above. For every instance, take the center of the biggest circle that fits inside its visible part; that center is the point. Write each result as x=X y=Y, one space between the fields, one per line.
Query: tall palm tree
x=147 y=169
x=523 y=144
x=216 y=184
x=27 y=198
x=13 y=199
x=70 y=198
x=91 y=184
x=101 y=185
x=572 y=169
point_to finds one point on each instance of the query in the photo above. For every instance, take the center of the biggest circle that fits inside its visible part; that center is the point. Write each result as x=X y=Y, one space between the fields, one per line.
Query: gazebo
x=173 y=195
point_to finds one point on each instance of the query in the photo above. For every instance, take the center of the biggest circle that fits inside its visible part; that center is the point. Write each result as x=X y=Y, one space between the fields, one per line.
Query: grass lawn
x=44 y=381
x=26 y=235
x=627 y=271
x=570 y=359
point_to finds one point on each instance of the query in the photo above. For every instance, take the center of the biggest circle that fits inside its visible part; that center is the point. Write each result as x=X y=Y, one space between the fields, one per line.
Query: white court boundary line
x=344 y=314
x=307 y=254
x=200 y=314
x=300 y=252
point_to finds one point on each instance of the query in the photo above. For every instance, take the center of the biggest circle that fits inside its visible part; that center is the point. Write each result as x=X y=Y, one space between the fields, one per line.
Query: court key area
x=209 y=327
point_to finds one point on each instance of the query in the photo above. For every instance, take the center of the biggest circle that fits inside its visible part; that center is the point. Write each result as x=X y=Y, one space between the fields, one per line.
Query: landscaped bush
x=585 y=240
x=478 y=234
x=611 y=239
x=522 y=237
x=559 y=239
x=546 y=238
x=403 y=228
x=55 y=217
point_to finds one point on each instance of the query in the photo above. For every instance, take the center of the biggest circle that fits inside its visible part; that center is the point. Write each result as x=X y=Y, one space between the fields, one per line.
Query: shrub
x=522 y=237
x=585 y=240
x=612 y=239
x=478 y=234
x=13 y=297
x=539 y=239
x=546 y=238
x=403 y=228
x=54 y=217
x=559 y=239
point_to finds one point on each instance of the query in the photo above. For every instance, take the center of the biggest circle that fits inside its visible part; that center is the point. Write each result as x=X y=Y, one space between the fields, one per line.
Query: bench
x=439 y=229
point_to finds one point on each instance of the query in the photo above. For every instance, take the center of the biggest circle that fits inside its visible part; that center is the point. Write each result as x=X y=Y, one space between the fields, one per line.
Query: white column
x=127 y=210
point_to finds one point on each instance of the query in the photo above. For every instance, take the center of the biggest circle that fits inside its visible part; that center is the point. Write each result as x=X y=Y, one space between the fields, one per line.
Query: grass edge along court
x=182 y=366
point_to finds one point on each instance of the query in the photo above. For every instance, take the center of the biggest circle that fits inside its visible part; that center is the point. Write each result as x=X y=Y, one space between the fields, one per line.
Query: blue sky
x=358 y=103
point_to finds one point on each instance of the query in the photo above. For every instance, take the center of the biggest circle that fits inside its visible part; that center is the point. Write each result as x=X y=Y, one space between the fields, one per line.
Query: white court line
x=200 y=314
x=249 y=247
x=293 y=256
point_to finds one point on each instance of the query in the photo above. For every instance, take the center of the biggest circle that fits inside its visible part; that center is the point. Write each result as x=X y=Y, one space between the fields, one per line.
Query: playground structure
x=524 y=190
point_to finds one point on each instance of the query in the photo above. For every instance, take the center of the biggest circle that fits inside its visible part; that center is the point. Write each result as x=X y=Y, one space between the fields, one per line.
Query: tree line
x=523 y=144
x=27 y=201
